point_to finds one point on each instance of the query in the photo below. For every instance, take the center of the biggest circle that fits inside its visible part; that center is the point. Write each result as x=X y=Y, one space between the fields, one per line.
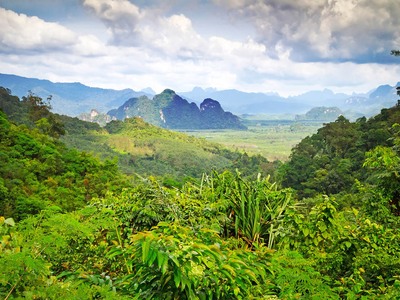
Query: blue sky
x=282 y=46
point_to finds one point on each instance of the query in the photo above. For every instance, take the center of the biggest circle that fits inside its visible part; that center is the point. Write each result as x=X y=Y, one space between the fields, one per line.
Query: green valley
x=270 y=138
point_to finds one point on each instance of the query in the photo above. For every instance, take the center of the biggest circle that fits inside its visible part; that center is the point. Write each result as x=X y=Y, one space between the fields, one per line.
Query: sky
x=283 y=46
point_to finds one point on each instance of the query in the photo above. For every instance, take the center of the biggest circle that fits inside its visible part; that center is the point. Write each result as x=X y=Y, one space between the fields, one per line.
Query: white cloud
x=120 y=16
x=131 y=26
x=89 y=45
x=173 y=36
x=314 y=30
x=149 y=47
x=19 y=32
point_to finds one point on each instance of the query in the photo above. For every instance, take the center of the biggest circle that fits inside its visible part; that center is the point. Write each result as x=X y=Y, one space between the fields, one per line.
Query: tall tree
x=395 y=52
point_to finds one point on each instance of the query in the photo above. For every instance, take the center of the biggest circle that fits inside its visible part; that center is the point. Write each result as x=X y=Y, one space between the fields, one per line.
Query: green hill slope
x=146 y=149
x=141 y=148
x=37 y=171
x=331 y=160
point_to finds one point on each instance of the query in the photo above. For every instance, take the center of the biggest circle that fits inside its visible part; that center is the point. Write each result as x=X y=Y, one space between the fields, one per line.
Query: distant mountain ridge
x=169 y=110
x=369 y=103
x=75 y=98
x=242 y=102
x=68 y=98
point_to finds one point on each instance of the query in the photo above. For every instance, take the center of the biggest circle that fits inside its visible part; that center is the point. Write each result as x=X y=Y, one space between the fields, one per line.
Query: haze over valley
x=74 y=99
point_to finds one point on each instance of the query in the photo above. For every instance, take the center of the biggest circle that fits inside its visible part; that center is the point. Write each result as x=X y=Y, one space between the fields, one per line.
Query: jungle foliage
x=73 y=226
x=331 y=161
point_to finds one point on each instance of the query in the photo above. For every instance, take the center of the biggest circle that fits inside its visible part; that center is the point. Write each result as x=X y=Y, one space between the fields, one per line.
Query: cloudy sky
x=284 y=46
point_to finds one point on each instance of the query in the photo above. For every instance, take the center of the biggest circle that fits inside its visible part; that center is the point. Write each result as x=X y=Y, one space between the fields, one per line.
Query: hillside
x=321 y=113
x=169 y=110
x=146 y=150
x=141 y=148
x=331 y=161
x=37 y=171
x=75 y=227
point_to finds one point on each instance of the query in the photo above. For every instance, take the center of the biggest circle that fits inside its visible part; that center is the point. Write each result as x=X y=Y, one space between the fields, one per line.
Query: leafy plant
x=256 y=207
x=298 y=278
x=173 y=262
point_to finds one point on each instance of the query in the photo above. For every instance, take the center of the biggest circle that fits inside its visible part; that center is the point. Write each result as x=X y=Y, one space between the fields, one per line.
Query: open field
x=272 y=139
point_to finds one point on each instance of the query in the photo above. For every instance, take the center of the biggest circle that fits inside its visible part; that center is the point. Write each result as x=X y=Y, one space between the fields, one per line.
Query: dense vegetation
x=145 y=149
x=330 y=161
x=73 y=226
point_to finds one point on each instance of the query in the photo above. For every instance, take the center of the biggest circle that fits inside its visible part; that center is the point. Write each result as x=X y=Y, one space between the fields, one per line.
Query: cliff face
x=213 y=116
x=181 y=114
x=169 y=110
x=96 y=117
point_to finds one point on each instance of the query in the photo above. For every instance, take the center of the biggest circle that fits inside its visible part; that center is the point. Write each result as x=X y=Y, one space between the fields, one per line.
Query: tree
x=395 y=52
x=38 y=108
x=39 y=113
x=339 y=137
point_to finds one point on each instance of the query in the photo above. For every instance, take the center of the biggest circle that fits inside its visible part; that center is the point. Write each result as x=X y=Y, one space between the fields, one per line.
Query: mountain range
x=368 y=104
x=75 y=98
x=69 y=99
x=169 y=110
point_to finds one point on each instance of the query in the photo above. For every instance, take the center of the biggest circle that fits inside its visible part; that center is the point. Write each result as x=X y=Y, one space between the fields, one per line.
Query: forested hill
x=330 y=161
x=169 y=110
x=140 y=148
x=73 y=226
x=37 y=172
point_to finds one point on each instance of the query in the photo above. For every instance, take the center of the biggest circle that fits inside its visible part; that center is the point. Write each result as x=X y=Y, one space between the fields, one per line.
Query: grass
x=272 y=140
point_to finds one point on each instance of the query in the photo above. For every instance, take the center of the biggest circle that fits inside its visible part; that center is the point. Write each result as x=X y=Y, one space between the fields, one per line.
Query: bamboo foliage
x=257 y=209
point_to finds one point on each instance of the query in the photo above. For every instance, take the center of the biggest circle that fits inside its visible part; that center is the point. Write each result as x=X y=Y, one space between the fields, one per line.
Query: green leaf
x=366 y=238
x=145 y=250
x=325 y=234
x=152 y=256
x=114 y=252
x=306 y=231
x=355 y=212
x=229 y=268
x=166 y=280
x=164 y=266
x=226 y=273
x=9 y=221
x=177 y=277
x=322 y=227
